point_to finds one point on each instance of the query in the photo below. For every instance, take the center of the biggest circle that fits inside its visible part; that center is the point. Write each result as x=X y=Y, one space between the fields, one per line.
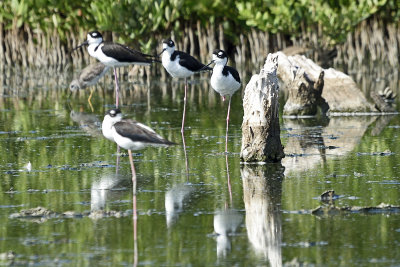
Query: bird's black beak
x=205 y=67
x=82 y=44
x=162 y=52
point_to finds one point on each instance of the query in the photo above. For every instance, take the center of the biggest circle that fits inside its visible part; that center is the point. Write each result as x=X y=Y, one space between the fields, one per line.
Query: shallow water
x=214 y=214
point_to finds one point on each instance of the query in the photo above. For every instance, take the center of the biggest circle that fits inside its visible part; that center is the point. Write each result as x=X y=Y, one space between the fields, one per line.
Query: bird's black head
x=113 y=112
x=169 y=42
x=220 y=53
x=95 y=34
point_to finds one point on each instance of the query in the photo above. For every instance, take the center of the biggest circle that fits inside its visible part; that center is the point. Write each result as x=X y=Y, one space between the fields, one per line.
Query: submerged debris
x=33 y=213
x=328 y=195
x=41 y=214
x=333 y=210
x=383 y=153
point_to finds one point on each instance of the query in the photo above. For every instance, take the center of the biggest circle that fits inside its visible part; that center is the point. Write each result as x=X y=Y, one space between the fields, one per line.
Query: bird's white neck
x=218 y=67
x=92 y=49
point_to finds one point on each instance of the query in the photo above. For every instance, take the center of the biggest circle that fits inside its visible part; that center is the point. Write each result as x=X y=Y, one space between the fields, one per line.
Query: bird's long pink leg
x=132 y=166
x=182 y=130
x=116 y=88
x=227 y=125
x=117 y=167
x=186 y=158
x=184 y=108
x=135 y=247
x=229 y=179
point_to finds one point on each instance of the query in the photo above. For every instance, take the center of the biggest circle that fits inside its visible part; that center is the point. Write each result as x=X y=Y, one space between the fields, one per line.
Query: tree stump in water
x=260 y=128
x=305 y=95
x=300 y=77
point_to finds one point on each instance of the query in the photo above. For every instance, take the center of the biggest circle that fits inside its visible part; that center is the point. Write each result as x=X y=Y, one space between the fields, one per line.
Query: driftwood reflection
x=262 y=193
x=310 y=141
x=381 y=123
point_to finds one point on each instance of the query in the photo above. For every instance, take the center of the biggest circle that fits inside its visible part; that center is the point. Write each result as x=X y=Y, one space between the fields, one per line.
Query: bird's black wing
x=233 y=71
x=138 y=132
x=189 y=62
x=123 y=53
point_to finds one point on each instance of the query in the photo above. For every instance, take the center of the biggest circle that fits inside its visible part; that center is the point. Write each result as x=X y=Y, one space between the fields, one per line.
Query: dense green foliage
x=141 y=18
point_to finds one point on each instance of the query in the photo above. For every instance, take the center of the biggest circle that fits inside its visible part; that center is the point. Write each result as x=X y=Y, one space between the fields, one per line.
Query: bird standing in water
x=89 y=76
x=114 y=55
x=225 y=80
x=180 y=65
x=130 y=134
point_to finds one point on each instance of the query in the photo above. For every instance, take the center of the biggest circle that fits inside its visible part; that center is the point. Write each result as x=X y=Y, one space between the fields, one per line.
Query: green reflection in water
x=73 y=169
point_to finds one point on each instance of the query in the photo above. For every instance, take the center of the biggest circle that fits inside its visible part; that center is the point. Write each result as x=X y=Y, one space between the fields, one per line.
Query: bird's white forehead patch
x=94 y=34
x=220 y=53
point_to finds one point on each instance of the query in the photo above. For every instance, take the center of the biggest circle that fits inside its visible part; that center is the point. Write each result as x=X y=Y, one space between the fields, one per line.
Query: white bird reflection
x=175 y=198
x=262 y=192
x=102 y=189
x=179 y=194
x=226 y=221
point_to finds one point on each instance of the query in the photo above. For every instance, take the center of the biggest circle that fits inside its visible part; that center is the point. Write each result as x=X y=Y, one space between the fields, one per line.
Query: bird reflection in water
x=226 y=220
x=104 y=188
x=177 y=196
x=90 y=123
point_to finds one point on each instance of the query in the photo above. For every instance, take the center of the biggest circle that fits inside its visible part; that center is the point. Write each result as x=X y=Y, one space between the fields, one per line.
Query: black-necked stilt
x=180 y=65
x=225 y=80
x=130 y=134
x=89 y=76
x=114 y=54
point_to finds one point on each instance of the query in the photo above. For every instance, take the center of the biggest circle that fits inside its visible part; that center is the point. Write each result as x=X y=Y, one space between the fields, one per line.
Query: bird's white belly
x=173 y=67
x=127 y=143
x=224 y=85
x=107 y=131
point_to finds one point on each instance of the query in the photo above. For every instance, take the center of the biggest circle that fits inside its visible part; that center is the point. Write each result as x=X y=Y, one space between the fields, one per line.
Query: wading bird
x=114 y=55
x=225 y=80
x=180 y=65
x=130 y=134
x=89 y=76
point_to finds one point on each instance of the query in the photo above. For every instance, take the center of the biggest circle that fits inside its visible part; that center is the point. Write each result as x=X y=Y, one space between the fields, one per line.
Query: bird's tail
x=168 y=143
x=152 y=58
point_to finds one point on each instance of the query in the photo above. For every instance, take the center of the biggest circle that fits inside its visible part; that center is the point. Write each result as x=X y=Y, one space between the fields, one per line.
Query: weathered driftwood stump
x=260 y=128
x=303 y=80
x=305 y=95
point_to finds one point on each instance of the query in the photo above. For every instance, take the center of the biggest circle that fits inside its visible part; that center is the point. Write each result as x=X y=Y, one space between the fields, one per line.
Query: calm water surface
x=216 y=213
